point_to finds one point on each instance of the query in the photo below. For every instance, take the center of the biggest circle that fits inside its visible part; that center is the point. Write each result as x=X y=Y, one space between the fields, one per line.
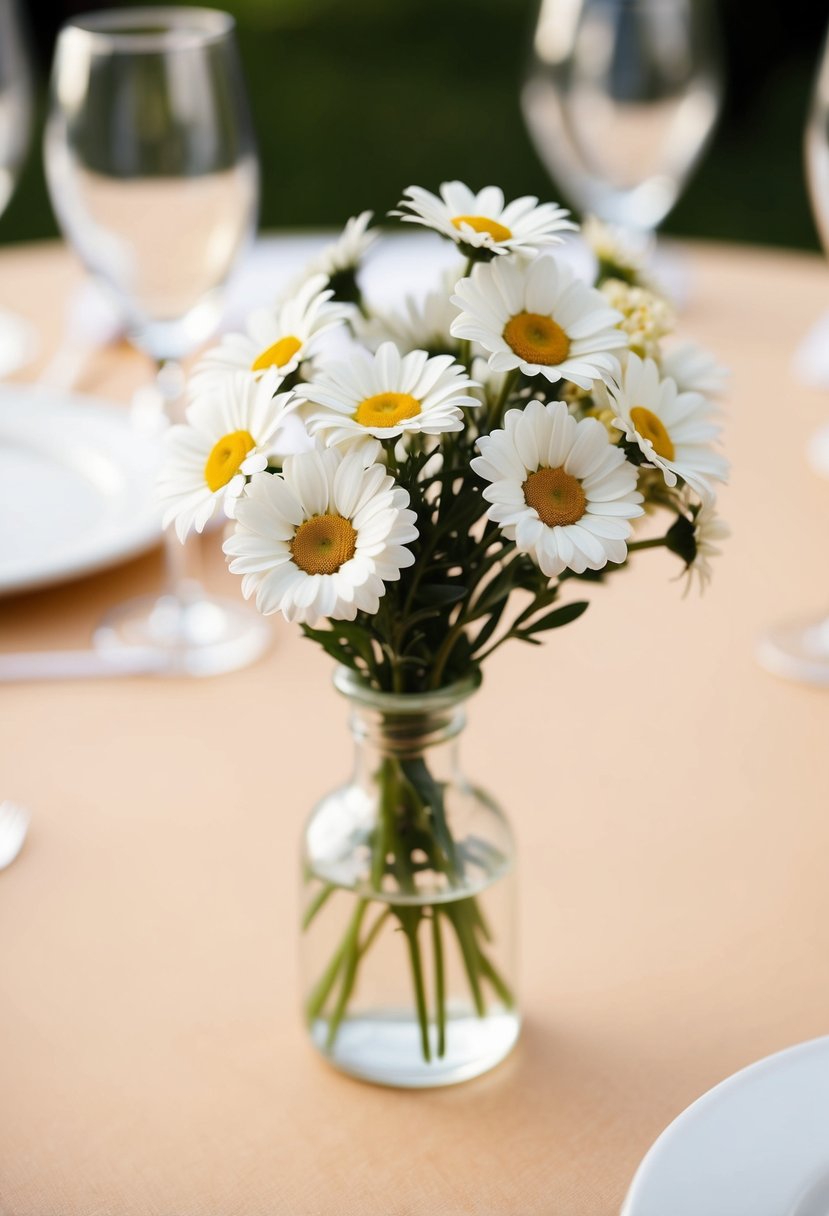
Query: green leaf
x=331 y=645
x=358 y=638
x=430 y=793
x=553 y=620
x=440 y=594
x=486 y=632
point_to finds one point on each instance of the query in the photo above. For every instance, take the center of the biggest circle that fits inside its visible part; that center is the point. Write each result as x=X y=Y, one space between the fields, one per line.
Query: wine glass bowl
x=151 y=164
x=15 y=99
x=799 y=649
x=18 y=339
x=620 y=99
x=152 y=170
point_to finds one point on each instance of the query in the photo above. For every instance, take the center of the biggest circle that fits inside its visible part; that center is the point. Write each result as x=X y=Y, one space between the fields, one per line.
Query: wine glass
x=799 y=649
x=620 y=98
x=152 y=171
x=16 y=338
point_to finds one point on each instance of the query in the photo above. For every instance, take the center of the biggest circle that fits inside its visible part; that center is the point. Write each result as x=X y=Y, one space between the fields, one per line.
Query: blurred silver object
x=18 y=340
x=15 y=99
x=799 y=649
x=620 y=99
x=14 y=824
x=24 y=666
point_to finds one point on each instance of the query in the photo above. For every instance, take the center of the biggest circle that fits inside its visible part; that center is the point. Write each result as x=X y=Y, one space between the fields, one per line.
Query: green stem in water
x=316 y=903
x=409 y=919
x=371 y=936
x=459 y=916
x=381 y=841
x=496 y=980
x=440 y=982
x=318 y=997
x=351 y=956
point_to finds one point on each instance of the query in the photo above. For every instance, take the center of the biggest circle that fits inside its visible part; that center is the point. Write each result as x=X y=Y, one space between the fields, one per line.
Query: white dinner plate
x=76 y=488
x=755 y=1145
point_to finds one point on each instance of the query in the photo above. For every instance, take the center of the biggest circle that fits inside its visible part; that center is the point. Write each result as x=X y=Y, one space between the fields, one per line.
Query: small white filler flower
x=349 y=249
x=709 y=529
x=694 y=369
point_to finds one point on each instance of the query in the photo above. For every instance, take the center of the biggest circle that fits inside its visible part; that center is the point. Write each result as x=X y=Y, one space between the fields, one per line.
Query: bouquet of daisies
x=416 y=487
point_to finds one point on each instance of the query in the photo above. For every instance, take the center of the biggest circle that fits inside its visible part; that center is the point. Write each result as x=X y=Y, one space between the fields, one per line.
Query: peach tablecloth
x=671 y=803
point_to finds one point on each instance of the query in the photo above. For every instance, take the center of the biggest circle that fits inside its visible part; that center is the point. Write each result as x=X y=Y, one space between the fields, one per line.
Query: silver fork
x=14 y=824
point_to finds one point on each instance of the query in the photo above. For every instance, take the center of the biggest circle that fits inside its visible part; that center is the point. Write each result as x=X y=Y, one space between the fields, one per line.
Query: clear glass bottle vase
x=408 y=920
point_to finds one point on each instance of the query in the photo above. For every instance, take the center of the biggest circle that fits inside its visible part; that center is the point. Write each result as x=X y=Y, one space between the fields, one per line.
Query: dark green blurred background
x=354 y=101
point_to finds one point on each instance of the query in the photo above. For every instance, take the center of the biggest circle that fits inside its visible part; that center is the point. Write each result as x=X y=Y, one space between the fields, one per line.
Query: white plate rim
x=141 y=529
x=711 y=1097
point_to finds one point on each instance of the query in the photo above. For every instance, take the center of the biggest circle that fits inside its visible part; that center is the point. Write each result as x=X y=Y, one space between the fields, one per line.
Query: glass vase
x=408 y=950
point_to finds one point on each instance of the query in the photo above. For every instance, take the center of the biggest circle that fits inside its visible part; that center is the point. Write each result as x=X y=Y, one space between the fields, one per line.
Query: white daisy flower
x=279 y=338
x=323 y=538
x=646 y=316
x=673 y=430
x=422 y=324
x=695 y=370
x=229 y=433
x=620 y=248
x=559 y=488
x=709 y=529
x=539 y=317
x=387 y=394
x=481 y=221
x=349 y=249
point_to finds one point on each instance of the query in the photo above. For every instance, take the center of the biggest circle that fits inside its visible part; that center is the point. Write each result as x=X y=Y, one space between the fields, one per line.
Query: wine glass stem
x=182 y=562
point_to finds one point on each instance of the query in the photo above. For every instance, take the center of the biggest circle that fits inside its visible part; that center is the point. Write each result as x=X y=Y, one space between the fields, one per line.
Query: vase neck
x=405 y=724
x=404 y=735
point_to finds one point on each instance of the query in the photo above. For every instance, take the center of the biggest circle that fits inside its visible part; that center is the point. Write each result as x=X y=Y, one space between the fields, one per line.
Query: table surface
x=670 y=803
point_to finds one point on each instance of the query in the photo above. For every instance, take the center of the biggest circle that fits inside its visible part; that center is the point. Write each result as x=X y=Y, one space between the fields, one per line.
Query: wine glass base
x=818 y=451
x=199 y=635
x=797 y=650
x=18 y=342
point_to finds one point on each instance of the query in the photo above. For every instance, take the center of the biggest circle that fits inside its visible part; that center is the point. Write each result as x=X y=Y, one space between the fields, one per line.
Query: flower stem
x=458 y=915
x=318 y=997
x=316 y=903
x=440 y=982
x=409 y=919
x=655 y=542
x=497 y=410
x=495 y=979
x=351 y=956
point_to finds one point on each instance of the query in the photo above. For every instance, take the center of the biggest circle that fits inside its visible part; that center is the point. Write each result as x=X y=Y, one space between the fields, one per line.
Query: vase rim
x=351 y=685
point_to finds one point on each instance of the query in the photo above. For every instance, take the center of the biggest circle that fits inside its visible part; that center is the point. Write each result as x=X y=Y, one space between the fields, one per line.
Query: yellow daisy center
x=323 y=543
x=386 y=409
x=277 y=355
x=536 y=338
x=480 y=223
x=653 y=428
x=225 y=458
x=556 y=497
